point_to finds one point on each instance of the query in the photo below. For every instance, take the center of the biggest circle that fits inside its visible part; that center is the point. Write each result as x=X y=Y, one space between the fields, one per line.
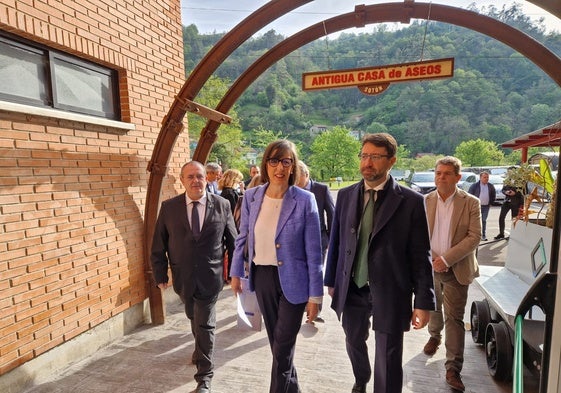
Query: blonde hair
x=230 y=179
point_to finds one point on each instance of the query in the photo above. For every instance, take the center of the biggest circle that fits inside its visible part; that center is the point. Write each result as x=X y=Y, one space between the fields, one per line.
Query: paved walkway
x=156 y=359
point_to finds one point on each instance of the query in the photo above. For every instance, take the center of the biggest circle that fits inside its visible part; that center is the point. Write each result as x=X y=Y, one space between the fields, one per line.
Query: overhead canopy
x=549 y=136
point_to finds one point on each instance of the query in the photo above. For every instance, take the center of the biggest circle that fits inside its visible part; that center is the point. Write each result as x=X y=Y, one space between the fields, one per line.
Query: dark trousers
x=388 y=370
x=505 y=208
x=202 y=315
x=484 y=215
x=282 y=322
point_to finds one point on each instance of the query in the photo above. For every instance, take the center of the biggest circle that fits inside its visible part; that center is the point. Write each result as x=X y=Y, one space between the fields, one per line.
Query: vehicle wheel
x=498 y=351
x=480 y=317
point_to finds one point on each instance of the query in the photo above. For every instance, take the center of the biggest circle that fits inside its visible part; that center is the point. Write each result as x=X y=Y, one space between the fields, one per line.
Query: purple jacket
x=297 y=242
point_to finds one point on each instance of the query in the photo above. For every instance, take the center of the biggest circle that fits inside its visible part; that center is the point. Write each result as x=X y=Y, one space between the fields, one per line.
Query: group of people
x=390 y=258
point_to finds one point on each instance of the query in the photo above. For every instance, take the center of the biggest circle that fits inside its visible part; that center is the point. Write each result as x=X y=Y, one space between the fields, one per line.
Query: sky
x=218 y=16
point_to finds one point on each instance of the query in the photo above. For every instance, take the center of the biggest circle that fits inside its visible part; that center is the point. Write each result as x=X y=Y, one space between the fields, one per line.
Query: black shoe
x=203 y=387
x=358 y=388
x=499 y=236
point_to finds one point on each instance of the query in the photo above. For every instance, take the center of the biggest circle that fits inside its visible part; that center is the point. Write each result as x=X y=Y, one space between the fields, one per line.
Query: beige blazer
x=466 y=234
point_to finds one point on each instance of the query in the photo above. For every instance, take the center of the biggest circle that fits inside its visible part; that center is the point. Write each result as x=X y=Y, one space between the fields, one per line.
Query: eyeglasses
x=373 y=157
x=274 y=162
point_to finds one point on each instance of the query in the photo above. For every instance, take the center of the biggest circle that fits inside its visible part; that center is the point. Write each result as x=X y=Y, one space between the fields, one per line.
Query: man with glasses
x=378 y=266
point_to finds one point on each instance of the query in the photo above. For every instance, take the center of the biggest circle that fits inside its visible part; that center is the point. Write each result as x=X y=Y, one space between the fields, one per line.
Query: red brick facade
x=72 y=192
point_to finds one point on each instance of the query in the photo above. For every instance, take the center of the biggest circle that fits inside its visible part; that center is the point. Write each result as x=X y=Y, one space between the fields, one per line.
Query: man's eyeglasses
x=373 y=157
x=274 y=162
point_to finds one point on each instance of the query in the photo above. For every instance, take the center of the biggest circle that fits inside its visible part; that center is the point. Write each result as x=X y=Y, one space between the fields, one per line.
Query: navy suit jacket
x=196 y=265
x=399 y=259
x=297 y=242
x=325 y=209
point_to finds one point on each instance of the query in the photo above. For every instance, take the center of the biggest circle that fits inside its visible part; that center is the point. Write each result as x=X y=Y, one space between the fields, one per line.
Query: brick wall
x=72 y=193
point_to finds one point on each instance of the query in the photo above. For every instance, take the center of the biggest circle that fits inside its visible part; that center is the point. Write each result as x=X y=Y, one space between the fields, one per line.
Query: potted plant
x=537 y=188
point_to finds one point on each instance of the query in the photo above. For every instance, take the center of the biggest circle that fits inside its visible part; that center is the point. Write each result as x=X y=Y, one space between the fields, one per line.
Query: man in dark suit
x=213 y=174
x=325 y=204
x=254 y=170
x=397 y=266
x=486 y=193
x=191 y=232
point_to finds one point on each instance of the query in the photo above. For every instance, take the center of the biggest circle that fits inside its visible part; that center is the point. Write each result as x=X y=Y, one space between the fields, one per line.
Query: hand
x=163 y=285
x=236 y=285
x=312 y=310
x=330 y=291
x=439 y=266
x=420 y=318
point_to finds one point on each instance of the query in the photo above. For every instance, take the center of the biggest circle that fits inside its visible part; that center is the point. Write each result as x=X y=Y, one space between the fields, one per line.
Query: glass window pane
x=22 y=72
x=83 y=88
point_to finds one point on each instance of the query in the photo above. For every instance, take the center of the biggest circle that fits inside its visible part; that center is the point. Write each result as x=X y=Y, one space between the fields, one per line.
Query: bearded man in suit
x=397 y=289
x=191 y=232
x=454 y=218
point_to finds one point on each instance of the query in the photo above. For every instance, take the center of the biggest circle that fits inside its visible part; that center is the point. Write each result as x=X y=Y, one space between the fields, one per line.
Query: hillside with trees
x=496 y=94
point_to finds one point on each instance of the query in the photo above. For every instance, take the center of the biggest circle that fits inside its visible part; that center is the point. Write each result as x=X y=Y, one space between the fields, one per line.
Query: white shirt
x=265 y=232
x=201 y=207
x=441 y=240
x=484 y=194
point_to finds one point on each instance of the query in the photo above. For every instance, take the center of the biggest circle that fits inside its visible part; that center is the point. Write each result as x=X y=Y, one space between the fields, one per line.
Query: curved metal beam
x=403 y=12
x=388 y=12
x=172 y=125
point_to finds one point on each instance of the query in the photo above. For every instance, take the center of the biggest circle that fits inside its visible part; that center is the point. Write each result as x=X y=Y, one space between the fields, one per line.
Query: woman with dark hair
x=280 y=226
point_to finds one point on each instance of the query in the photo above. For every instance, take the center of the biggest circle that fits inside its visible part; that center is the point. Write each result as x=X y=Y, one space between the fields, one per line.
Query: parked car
x=497 y=182
x=467 y=179
x=422 y=182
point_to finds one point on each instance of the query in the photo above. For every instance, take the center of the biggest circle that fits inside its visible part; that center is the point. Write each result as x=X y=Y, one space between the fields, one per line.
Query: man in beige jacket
x=454 y=219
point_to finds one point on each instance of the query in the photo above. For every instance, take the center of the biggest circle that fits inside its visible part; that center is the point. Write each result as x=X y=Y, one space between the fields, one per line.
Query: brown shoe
x=454 y=380
x=431 y=346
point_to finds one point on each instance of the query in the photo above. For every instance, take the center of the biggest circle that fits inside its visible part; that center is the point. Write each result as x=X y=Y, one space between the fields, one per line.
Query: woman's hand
x=236 y=285
x=312 y=310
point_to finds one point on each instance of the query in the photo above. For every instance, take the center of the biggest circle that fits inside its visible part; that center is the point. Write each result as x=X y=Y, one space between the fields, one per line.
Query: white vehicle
x=497 y=182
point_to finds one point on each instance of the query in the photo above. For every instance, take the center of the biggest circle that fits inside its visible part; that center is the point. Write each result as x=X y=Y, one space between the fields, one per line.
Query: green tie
x=360 y=275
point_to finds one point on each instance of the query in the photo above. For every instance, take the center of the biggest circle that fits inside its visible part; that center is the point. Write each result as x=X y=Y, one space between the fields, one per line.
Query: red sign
x=371 y=76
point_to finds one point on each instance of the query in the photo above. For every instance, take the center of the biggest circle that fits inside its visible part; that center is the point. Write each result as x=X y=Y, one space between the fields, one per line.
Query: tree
x=227 y=150
x=335 y=153
x=479 y=152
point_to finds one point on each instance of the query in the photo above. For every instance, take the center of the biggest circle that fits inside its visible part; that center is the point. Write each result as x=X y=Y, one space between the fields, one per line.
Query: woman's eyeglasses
x=274 y=162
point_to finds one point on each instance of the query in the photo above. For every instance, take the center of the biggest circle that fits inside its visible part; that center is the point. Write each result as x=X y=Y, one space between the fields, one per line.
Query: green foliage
x=479 y=152
x=334 y=154
x=496 y=94
x=227 y=150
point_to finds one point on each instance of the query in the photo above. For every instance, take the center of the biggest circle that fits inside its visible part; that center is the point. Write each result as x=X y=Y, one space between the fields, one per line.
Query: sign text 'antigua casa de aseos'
x=374 y=80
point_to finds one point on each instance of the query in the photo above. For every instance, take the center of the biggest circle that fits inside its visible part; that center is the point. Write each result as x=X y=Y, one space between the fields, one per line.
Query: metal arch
x=402 y=12
x=394 y=12
x=172 y=125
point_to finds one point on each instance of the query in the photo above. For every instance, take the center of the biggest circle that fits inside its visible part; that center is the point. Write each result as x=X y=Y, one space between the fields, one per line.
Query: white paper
x=241 y=312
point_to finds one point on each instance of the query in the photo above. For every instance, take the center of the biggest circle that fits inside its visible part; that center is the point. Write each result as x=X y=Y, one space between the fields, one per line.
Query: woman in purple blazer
x=280 y=226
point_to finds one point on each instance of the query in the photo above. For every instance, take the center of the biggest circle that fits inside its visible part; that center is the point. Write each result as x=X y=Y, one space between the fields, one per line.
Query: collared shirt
x=367 y=188
x=484 y=194
x=201 y=209
x=441 y=239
